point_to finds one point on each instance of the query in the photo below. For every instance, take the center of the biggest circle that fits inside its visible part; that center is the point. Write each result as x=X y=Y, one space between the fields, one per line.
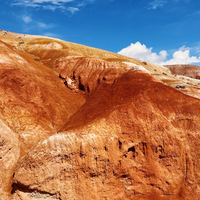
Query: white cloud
x=53 y=7
x=182 y=56
x=83 y=3
x=26 y=19
x=54 y=4
x=156 y=4
x=44 y=26
x=45 y=4
x=30 y=23
x=36 y=3
x=25 y=3
x=73 y=10
x=50 y=7
x=141 y=52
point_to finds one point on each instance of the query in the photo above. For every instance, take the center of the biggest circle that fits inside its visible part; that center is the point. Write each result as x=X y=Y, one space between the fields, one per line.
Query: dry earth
x=81 y=123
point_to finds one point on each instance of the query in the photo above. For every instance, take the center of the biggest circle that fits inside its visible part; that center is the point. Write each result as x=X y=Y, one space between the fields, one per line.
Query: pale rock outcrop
x=84 y=74
x=52 y=45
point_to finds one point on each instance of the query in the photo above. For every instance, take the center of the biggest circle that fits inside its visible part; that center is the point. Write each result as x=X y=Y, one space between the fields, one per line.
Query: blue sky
x=159 y=31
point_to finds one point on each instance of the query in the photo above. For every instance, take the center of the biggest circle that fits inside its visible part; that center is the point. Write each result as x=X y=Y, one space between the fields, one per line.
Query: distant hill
x=192 y=71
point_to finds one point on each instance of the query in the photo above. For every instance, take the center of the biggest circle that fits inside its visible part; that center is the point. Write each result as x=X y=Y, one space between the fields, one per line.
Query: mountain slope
x=134 y=139
x=82 y=123
x=50 y=50
x=34 y=103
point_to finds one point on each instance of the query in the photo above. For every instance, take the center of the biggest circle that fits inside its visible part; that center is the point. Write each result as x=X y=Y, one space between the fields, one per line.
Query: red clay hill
x=81 y=123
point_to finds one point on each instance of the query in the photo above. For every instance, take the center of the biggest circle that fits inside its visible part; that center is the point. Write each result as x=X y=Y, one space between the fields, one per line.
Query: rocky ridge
x=81 y=123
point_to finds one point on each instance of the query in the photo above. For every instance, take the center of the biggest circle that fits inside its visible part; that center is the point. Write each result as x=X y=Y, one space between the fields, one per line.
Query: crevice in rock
x=132 y=149
x=124 y=176
x=143 y=147
x=32 y=192
x=61 y=77
x=120 y=145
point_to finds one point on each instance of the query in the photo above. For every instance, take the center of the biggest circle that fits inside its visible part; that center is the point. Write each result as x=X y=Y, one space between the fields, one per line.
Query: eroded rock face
x=85 y=74
x=124 y=143
x=34 y=104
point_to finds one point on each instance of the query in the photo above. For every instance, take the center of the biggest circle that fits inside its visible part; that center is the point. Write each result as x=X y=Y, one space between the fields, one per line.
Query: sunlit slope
x=135 y=139
x=49 y=50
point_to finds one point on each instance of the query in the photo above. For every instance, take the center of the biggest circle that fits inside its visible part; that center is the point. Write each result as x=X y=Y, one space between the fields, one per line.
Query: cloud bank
x=26 y=19
x=37 y=3
x=182 y=56
x=64 y=5
x=32 y=24
x=156 y=4
x=141 y=52
x=71 y=6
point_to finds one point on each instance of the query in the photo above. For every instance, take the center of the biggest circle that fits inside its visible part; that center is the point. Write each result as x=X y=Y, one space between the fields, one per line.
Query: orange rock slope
x=75 y=125
x=34 y=104
x=135 y=139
